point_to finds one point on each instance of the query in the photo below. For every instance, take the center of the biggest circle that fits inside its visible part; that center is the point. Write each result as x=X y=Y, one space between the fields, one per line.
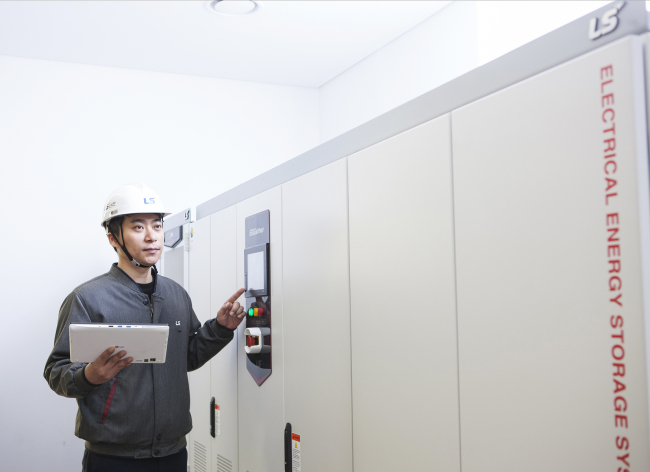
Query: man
x=135 y=417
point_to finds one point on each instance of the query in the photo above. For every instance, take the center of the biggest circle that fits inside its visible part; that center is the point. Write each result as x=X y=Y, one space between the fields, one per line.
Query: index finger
x=103 y=357
x=236 y=295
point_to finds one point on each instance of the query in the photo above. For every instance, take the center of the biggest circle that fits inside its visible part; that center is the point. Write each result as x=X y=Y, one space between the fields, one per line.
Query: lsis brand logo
x=255 y=231
x=608 y=22
x=110 y=205
x=148 y=201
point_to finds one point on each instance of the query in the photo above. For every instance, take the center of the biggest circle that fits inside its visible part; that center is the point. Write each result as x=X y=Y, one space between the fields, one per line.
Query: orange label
x=295 y=437
x=216 y=407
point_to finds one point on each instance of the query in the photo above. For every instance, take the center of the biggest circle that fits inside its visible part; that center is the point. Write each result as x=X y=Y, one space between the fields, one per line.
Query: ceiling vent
x=232 y=7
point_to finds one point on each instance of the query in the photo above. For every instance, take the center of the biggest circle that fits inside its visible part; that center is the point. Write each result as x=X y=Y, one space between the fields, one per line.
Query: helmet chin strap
x=126 y=252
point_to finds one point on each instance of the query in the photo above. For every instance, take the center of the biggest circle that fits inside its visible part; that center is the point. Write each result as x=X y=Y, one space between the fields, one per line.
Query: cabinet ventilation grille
x=200 y=457
x=223 y=464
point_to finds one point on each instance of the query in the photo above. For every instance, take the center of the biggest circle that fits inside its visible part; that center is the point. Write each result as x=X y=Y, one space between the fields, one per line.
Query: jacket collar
x=127 y=281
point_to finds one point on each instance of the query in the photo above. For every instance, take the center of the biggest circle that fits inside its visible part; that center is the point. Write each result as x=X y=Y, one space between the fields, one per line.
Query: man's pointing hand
x=231 y=313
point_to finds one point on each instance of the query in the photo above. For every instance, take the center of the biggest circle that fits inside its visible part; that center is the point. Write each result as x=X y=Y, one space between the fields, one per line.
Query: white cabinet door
x=199 y=271
x=223 y=281
x=261 y=416
x=404 y=358
x=644 y=205
x=548 y=179
x=316 y=317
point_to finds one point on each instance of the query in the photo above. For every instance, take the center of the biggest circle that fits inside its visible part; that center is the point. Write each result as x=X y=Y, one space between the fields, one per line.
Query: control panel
x=173 y=237
x=257 y=281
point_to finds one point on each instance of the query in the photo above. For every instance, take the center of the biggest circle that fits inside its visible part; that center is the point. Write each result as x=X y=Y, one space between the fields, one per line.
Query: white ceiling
x=302 y=43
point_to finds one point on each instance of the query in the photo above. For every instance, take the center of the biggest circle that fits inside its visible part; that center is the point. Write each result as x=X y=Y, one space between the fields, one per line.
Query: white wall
x=457 y=39
x=434 y=52
x=504 y=26
x=71 y=133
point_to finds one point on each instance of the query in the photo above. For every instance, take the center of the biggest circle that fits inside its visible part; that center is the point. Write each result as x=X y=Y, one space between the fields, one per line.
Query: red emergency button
x=250 y=341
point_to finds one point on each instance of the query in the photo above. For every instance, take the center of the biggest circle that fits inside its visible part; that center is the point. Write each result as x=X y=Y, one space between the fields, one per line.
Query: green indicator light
x=251 y=312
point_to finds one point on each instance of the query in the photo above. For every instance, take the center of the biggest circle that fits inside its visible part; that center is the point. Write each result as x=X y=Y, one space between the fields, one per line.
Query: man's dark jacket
x=148 y=413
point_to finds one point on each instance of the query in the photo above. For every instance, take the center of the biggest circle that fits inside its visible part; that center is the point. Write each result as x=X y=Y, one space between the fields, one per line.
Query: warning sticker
x=217 y=419
x=295 y=453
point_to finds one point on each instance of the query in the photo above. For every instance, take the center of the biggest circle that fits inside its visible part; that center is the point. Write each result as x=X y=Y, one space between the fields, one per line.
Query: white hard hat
x=130 y=199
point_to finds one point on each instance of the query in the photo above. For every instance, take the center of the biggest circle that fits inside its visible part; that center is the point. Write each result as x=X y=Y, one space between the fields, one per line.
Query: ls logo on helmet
x=110 y=205
x=148 y=201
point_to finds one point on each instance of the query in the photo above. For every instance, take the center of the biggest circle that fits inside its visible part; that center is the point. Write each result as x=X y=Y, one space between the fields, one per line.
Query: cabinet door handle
x=212 y=403
x=287 y=448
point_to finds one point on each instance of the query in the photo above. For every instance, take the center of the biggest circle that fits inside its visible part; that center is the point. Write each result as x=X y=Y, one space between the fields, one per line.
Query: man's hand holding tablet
x=106 y=367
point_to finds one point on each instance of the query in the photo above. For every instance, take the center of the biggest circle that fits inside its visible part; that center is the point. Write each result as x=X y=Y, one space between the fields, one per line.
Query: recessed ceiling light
x=232 y=7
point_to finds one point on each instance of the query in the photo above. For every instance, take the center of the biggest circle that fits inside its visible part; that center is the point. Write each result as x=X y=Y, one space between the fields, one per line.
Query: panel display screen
x=256 y=271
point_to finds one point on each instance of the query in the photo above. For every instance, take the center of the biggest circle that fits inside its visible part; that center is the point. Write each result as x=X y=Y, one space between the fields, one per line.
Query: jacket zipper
x=151 y=308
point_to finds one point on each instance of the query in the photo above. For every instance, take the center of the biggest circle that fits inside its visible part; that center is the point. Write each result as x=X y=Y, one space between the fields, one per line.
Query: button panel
x=257 y=280
x=256 y=311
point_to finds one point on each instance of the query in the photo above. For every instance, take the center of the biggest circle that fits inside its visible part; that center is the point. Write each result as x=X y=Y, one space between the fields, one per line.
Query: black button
x=146 y=302
x=156 y=452
x=159 y=437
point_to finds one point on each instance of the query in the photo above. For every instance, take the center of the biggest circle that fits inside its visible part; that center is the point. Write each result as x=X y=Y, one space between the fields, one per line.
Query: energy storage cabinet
x=223 y=367
x=553 y=289
x=460 y=284
x=201 y=405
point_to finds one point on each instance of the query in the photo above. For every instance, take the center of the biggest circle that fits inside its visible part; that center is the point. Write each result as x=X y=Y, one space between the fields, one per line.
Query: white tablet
x=145 y=343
